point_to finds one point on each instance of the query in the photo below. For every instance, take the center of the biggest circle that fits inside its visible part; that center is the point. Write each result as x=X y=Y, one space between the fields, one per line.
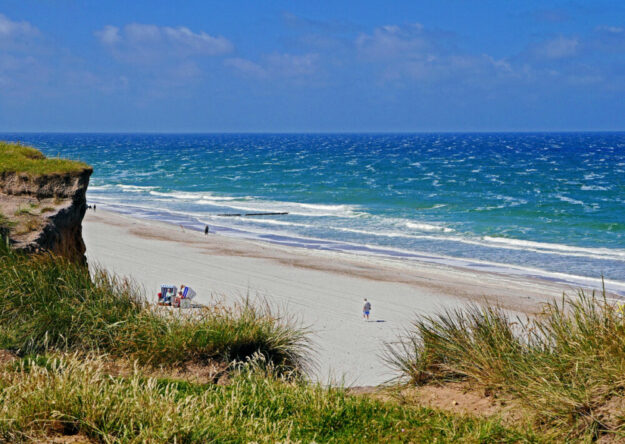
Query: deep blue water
x=544 y=203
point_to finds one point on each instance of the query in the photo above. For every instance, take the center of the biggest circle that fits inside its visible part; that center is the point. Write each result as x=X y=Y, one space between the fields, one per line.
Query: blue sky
x=316 y=66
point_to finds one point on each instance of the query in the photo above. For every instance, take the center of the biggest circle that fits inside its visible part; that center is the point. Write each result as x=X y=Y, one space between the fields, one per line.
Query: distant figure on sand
x=366 y=309
x=206 y=231
x=94 y=207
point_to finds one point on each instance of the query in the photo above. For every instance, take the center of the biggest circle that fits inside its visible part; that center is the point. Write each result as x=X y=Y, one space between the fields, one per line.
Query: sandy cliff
x=45 y=212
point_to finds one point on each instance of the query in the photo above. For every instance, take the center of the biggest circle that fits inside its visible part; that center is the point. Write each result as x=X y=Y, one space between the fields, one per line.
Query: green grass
x=16 y=158
x=23 y=211
x=77 y=395
x=566 y=366
x=48 y=304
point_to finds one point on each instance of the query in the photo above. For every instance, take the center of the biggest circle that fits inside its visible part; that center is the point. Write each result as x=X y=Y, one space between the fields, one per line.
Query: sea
x=548 y=205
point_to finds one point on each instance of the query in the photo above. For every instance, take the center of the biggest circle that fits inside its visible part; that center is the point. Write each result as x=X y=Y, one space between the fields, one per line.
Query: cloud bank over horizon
x=288 y=71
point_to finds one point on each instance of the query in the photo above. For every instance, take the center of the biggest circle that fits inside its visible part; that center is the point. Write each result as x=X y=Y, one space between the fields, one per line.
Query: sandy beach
x=324 y=290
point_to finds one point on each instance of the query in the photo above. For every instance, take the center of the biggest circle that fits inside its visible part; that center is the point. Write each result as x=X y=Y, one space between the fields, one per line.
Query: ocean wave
x=295 y=208
x=202 y=195
x=569 y=199
x=252 y=204
x=375 y=233
x=281 y=223
x=134 y=188
x=594 y=188
x=99 y=187
x=428 y=227
x=505 y=243
x=599 y=253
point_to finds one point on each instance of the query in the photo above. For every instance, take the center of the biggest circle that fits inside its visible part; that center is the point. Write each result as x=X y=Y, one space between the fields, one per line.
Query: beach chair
x=168 y=293
x=187 y=295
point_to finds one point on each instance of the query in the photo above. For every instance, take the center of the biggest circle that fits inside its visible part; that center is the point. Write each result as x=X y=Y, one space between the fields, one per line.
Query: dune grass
x=48 y=303
x=566 y=366
x=76 y=395
x=17 y=158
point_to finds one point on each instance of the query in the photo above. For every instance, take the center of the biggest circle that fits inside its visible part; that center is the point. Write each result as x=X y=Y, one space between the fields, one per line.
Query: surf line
x=252 y=214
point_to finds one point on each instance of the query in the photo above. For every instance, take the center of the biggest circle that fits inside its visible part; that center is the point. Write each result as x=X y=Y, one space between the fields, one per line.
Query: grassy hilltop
x=17 y=158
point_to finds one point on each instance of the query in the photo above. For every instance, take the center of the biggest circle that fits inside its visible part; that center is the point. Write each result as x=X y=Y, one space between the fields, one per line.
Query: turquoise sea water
x=534 y=204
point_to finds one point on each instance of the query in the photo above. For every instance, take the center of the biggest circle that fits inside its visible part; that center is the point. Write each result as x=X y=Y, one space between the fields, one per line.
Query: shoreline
x=323 y=289
x=191 y=221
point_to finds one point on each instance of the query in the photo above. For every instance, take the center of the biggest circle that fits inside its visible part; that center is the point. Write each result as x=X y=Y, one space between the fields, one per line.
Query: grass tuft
x=566 y=365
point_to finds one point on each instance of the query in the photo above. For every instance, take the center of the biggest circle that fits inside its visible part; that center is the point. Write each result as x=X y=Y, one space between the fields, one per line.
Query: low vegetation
x=17 y=158
x=565 y=367
x=40 y=398
x=50 y=304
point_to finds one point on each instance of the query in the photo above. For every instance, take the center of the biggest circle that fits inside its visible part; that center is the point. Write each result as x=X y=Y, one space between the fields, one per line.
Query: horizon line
x=314 y=132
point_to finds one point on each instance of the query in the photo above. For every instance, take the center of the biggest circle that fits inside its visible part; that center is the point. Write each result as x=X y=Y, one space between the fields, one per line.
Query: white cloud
x=277 y=65
x=109 y=35
x=21 y=48
x=142 y=43
x=392 y=41
x=10 y=28
x=611 y=29
x=558 y=48
x=292 y=65
x=246 y=67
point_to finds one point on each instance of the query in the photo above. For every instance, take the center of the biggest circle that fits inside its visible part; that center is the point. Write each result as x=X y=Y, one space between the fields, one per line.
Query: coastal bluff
x=42 y=202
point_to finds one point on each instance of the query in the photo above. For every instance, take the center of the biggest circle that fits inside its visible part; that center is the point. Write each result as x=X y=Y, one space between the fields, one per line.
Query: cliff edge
x=42 y=202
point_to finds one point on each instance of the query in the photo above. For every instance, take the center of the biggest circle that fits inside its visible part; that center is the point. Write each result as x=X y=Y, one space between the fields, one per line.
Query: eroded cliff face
x=45 y=212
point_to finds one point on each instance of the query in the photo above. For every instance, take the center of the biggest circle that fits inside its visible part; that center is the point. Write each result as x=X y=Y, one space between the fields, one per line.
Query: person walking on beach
x=366 y=310
x=94 y=208
x=206 y=231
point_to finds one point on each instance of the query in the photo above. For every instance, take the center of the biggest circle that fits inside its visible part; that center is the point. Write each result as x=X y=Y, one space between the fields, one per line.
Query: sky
x=311 y=66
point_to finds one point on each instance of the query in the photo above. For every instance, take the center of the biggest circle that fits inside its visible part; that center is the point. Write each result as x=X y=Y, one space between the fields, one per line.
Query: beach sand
x=324 y=290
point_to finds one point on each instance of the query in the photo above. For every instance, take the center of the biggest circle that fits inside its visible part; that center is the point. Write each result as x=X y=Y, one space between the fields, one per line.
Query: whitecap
x=594 y=188
x=569 y=200
x=134 y=188
x=428 y=227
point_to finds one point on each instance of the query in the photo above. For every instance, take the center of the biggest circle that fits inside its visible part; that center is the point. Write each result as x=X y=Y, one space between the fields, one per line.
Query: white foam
x=281 y=223
x=295 y=208
x=199 y=196
x=599 y=253
x=593 y=188
x=569 y=200
x=134 y=188
x=99 y=187
x=260 y=205
x=375 y=233
x=428 y=227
